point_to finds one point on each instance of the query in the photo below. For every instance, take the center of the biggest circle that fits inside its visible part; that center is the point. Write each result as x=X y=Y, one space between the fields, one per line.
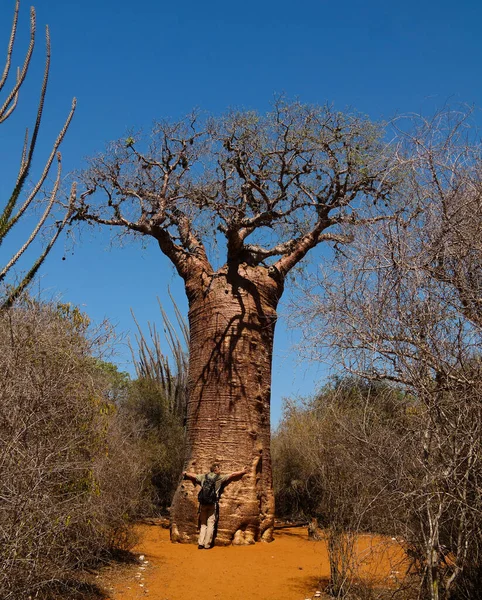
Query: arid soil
x=290 y=568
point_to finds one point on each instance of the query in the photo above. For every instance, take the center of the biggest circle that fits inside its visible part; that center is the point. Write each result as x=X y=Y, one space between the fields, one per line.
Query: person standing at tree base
x=211 y=486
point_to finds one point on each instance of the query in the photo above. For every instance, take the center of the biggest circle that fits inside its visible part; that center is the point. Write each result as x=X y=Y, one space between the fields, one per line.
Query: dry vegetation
x=358 y=458
x=83 y=451
x=341 y=462
x=401 y=305
x=70 y=478
x=391 y=447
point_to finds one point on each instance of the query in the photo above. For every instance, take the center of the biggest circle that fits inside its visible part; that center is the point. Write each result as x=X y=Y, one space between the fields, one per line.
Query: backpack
x=207 y=494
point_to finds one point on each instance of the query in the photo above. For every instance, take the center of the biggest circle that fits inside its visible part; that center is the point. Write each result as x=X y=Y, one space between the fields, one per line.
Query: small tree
x=264 y=190
x=14 y=207
x=404 y=305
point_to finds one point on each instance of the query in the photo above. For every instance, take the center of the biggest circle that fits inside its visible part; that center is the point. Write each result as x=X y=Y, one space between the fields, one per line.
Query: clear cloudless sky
x=129 y=63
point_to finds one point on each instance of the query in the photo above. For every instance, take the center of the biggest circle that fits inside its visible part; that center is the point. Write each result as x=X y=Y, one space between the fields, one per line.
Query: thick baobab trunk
x=232 y=315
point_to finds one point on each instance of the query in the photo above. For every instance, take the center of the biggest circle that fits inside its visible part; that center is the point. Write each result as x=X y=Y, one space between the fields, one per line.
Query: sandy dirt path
x=290 y=568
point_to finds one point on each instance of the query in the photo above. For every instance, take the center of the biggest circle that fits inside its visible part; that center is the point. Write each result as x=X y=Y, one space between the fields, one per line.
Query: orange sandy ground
x=290 y=568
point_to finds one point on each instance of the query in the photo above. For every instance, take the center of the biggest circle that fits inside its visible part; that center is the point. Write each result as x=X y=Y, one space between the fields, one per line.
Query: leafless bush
x=69 y=471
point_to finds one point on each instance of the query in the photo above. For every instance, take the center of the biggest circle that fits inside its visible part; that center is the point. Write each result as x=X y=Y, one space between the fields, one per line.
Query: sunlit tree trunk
x=232 y=315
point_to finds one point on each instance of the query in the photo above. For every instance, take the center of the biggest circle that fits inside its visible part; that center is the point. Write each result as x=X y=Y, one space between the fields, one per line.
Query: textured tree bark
x=232 y=316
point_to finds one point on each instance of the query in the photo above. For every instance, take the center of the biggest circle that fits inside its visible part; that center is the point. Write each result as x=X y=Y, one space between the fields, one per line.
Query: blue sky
x=129 y=63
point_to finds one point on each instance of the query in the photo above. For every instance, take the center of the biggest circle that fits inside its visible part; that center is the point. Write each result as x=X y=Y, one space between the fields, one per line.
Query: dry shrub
x=339 y=457
x=368 y=457
x=70 y=472
x=334 y=454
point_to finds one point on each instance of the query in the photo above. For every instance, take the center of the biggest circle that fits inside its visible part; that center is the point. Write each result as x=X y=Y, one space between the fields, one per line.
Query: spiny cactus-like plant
x=19 y=201
x=153 y=364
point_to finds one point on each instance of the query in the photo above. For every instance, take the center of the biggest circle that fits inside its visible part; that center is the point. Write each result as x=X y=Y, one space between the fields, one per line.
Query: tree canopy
x=270 y=185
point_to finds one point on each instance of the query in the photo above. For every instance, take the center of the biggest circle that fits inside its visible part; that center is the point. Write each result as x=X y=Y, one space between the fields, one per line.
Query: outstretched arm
x=237 y=474
x=246 y=470
x=191 y=476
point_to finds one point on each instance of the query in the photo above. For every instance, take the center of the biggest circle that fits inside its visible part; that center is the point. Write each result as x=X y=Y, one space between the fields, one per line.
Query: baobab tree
x=263 y=190
x=18 y=203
